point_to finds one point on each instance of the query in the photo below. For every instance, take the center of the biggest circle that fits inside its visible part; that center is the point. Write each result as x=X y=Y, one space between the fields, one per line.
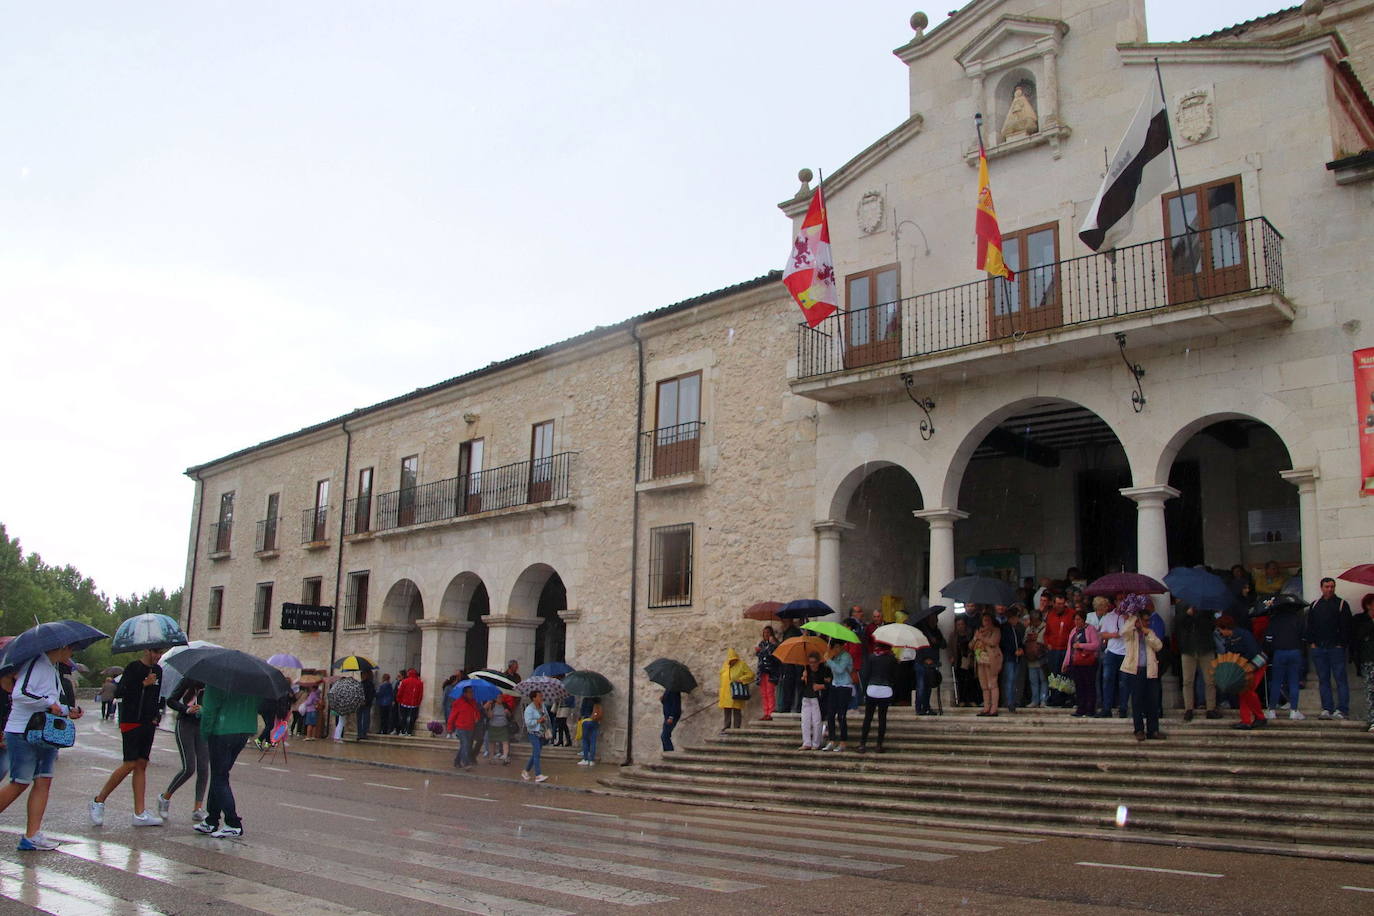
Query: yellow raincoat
x=733 y=671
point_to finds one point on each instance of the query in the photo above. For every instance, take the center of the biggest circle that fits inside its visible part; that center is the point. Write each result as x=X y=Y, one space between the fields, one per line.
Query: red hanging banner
x=1364 y=407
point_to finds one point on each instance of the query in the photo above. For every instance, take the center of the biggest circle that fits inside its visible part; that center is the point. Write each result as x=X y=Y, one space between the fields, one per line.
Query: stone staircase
x=1293 y=787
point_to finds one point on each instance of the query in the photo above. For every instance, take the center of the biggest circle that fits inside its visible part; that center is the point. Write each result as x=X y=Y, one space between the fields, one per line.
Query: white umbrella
x=902 y=635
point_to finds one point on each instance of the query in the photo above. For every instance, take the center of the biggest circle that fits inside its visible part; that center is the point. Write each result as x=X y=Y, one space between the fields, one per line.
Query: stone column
x=570 y=618
x=390 y=642
x=1049 y=90
x=510 y=637
x=1305 y=479
x=828 y=562
x=442 y=643
x=941 y=522
x=1152 y=559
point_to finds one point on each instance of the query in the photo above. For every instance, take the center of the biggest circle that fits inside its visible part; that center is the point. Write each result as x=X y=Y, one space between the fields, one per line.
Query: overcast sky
x=220 y=222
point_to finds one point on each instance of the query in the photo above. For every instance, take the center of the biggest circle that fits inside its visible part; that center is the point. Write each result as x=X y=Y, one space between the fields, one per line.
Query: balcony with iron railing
x=315 y=526
x=266 y=540
x=670 y=453
x=1219 y=278
x=220 y=534
x=525 y=483
x=358 y=515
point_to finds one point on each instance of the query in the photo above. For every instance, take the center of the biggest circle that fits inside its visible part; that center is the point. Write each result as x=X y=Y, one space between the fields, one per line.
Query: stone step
x=1279 y=823
x=1355 y=845
x=1308 y=729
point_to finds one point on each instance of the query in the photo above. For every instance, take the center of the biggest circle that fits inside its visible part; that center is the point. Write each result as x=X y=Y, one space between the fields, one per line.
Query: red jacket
x=463 y=714
x=1057 y=629
x=410 y=691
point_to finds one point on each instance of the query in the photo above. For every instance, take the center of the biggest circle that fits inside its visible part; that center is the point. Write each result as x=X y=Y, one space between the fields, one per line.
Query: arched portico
x=397 y=633
x=512 y=634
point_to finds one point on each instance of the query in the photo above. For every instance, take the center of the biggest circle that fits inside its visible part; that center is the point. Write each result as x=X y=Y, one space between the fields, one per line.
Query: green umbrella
x=587 y=684
x=831 y=630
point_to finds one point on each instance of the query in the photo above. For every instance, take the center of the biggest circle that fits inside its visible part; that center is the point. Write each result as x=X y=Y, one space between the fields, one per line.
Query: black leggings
x=837 y=713
x=871 y=704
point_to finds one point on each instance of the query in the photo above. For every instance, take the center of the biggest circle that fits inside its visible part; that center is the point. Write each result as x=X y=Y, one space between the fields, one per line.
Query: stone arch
x=1216 y=406
x=401 y=602
x=529 y=585
x=963 y=453
x=458 y=596
x=842 y=491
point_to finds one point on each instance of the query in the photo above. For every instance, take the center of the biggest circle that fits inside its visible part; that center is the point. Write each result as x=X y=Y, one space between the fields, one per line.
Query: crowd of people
x=1100 y=656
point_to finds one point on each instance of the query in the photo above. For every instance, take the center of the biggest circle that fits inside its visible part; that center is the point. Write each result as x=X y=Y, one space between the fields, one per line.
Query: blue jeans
x=224 y=750
x=1011 y=676
x=589 y=733
x=1287 y=666
x=536 y=745
x=1330 y=664
x=923 y=687
x=1112 y=691
x=1039 y=685
x=464 y=756
x=666 y=736
x=365 y=721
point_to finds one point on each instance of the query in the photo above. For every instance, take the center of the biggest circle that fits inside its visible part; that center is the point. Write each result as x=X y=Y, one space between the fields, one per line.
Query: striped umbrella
x=496 y=678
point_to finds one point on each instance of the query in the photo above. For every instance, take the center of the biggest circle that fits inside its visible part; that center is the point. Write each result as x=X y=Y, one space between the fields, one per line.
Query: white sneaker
x=525 y=775
x=1371 y=728
x=1285 y=707
x=1325 y=714
x=147 y=819
x=1296 y=714
x=164 y=806
x=541 y=778
x=829 y=746
x=1270 y=714
x=97 y=810
x=1338 y=715
x=227 y=831
x=199 y=815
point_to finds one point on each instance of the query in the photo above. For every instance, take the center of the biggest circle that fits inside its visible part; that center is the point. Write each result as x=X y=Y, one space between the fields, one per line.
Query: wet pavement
x=365 y=828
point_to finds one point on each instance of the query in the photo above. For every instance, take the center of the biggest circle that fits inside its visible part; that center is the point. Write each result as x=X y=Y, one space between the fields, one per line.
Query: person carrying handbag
x=1080 y=663
x=735 y=676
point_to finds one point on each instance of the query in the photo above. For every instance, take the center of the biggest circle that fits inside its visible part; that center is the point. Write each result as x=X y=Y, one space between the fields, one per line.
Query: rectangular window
x=311 y=590
x=541 y=461
x=873 y=320
x=215 y=617
x=355 y=600
x=262 y=608
x=320 y=520
x=1207 y=255
x=670 y=566
x=362 y=508
x=1031 y=301
x=268 y=541
x=405 y=500
x=677 y=425
x=225 y=526
x=470 y=477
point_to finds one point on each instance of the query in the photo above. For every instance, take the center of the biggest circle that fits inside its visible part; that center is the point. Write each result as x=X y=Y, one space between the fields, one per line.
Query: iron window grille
x=670 y=566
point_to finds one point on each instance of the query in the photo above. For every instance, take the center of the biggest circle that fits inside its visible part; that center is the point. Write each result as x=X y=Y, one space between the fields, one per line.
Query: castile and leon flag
x=985 y=227
x=810 y=272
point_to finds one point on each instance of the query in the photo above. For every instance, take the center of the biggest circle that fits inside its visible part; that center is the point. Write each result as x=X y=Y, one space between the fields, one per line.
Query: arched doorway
x=1042 y=488
x=464 y=591
x=550 y=640
x=887 y=552
x=475 y=652
x=403 y=606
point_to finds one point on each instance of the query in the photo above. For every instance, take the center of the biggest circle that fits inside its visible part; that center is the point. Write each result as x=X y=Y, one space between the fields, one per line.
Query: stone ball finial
x=805 y=176
x=919 y=21
x=1312 y=7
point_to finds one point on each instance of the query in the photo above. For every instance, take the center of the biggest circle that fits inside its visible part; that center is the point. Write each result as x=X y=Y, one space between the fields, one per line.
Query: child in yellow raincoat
x=735 y=677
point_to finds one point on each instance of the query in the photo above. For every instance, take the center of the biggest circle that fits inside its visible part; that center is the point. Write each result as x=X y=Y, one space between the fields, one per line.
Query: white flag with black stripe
x=1140 y=171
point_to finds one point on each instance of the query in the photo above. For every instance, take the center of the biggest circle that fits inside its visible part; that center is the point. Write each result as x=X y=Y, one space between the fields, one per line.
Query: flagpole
x=982 y=154
x=1173 y=153
x=1178 y=183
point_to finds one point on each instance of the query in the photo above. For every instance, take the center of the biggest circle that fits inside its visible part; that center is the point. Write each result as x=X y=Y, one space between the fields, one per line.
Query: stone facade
x=823 y=482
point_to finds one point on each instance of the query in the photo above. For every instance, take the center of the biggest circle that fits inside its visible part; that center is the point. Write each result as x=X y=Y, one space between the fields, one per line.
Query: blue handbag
x=46 y=729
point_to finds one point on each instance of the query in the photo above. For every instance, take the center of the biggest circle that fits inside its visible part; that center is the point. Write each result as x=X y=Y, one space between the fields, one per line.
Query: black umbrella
x=45 y=637
x=804 y=608
x=231 y=671
x=587 y=684
x=921 y=614
x=670 y=674
x=979 y=590
x=346 y=696
x=498 y=679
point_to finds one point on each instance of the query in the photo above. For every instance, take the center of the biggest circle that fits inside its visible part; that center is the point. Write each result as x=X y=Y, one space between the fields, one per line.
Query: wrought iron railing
x=670 y=450
x=519 y=484
x=314 y=525
x=1217 y=261
x=220 y=533
x=358 y=514
x=267 y=534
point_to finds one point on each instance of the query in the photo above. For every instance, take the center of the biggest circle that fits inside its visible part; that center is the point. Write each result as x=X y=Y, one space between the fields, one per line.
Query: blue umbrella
x=804 y=607
x=45 y=637
x=147 y=631
x=481 y=690
x=552 y=669
x=1200 y=588
x=284 y=660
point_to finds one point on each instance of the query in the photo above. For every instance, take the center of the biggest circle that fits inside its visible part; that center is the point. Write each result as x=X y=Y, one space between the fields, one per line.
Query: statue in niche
x=1021 y=120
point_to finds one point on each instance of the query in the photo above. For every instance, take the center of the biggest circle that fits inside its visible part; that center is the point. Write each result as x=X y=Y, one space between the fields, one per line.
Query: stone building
x=623 y=495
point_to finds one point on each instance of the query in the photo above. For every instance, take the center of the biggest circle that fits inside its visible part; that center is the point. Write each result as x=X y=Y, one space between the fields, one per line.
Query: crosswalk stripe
x=276 y=769
x=635 y=851
x=467 y=797
x=522 y=877
x=228 y=888
x=868 y=852
x=571 y=811
x=382 y=785
x=352 y=817
x=435 y=893
x=322 y=776
x=753 y=852
x=620 y=869
x=912 y=835
x=63 y=895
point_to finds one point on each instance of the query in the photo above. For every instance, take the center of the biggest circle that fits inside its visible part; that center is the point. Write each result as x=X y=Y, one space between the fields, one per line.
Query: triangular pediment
x=1009 y=40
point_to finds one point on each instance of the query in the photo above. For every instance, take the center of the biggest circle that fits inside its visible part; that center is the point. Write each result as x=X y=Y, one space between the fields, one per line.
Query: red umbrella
x=1112 y=583
x=764 y=610
x=1363 y=574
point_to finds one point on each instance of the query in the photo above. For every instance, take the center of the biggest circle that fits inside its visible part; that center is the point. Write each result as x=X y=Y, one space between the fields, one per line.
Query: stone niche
x=1013 y=73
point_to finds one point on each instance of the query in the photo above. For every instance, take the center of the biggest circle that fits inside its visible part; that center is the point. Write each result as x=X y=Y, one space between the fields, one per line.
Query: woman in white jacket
x=37 y=688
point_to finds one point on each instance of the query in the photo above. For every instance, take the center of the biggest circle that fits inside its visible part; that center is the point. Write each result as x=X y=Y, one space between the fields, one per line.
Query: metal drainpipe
x=338 y=565
x=186 y=599
x=634 y=550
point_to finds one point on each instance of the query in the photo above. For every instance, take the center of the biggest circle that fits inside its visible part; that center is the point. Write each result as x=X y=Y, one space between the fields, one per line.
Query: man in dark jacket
x=672 y=712
x=1013 y=657
x=1193 y=630
x=790 y=684
x=1285 y=637
x=1327 y=635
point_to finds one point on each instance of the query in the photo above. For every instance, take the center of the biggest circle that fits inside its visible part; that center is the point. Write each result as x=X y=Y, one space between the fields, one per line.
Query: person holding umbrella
x=36 y=689
x=463 y=717
x=140 y=708
x=769 y=672
x=228 y=720
x=672 y=713
x=195 y=753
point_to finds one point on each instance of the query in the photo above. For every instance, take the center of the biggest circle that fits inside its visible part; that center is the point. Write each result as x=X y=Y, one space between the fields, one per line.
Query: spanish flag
x=985 y=226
